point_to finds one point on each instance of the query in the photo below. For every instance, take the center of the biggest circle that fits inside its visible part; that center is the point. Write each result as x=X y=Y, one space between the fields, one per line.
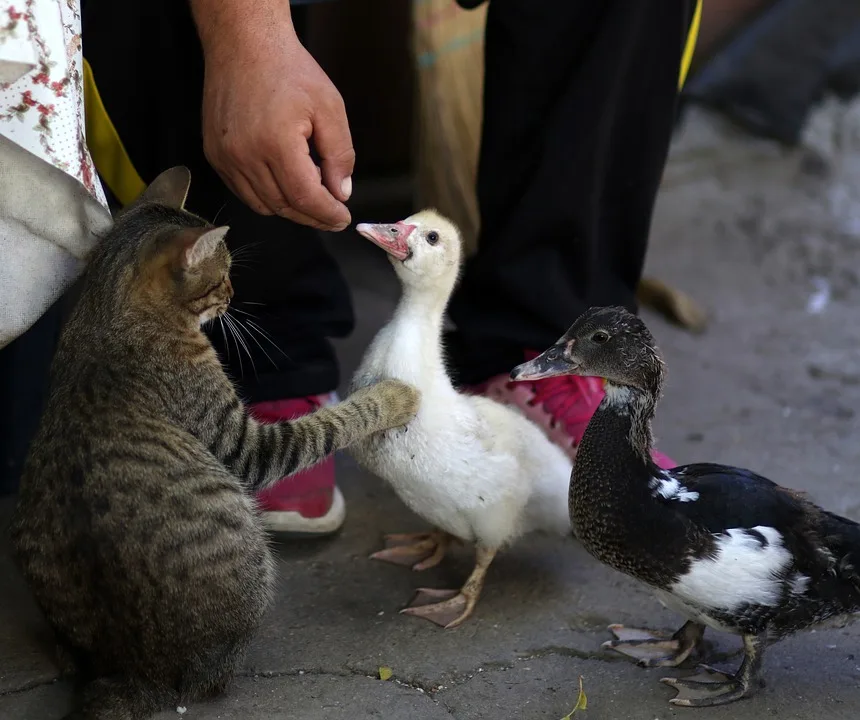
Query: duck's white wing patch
x=748 y=568
x=670 y=487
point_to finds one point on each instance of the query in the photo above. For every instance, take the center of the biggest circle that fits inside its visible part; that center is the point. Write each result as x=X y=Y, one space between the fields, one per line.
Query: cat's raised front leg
x=260 y=454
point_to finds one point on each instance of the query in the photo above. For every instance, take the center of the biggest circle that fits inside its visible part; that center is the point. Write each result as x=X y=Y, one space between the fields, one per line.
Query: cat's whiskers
x=251 y=325
x=241 y=252
x=238 y=321
x=224 y=335
x=231 y=327
x=267 y=336
x=220 y=210
x=241 y=337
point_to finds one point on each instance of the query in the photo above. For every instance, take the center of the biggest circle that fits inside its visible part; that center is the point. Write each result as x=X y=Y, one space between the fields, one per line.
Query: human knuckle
x=302 y=202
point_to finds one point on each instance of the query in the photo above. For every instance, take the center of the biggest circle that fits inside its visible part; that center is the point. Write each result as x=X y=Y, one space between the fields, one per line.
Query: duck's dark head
x=607 y=342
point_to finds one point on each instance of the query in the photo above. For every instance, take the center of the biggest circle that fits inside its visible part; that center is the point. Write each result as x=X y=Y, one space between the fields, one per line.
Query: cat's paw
x=400 y=402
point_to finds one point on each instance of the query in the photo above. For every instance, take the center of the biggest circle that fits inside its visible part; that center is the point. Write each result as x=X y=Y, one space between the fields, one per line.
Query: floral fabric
x=41 y=85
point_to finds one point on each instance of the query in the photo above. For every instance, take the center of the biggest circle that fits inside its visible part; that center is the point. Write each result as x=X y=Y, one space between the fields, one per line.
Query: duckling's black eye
x=600 y=337
x=432 y=237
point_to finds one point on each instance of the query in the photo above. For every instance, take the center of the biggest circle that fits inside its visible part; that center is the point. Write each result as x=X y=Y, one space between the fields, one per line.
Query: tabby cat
x=136 y=528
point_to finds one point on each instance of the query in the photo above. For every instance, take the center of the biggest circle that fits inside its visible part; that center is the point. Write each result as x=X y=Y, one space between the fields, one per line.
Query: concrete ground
x=766 y=240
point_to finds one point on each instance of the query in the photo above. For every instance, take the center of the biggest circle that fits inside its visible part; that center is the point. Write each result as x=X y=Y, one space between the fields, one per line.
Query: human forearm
x=230 y=23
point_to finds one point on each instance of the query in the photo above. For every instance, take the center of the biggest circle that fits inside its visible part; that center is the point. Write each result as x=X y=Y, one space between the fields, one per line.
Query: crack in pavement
x=422 y=688
x=26 y=687
x=431 y=689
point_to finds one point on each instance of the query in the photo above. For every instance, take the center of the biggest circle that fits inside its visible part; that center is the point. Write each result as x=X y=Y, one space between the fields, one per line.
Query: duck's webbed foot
x=651 y=649
x=420 y=551
x=711 y=687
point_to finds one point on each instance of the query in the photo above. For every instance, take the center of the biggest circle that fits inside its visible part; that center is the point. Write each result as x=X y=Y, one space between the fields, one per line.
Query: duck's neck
x=613 y=461
x=637 y=407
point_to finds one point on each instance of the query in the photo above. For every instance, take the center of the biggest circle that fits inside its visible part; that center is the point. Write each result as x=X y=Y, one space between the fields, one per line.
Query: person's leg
x=290 y=296
x=580 y=103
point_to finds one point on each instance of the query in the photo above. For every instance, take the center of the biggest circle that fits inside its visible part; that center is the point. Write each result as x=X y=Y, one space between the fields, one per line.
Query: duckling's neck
x=415 y=338
x=423 y=304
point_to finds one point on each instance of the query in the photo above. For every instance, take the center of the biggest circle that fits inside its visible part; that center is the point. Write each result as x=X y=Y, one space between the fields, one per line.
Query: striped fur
x=136 y=527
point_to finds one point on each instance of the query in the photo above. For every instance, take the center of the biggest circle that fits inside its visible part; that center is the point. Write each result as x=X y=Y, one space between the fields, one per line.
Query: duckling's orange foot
x=651 y=649
x=446 y=608
x=708 y=688
x=420 y=551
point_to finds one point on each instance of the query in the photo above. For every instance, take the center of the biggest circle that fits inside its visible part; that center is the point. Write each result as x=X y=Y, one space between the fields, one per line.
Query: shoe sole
x=294 y=524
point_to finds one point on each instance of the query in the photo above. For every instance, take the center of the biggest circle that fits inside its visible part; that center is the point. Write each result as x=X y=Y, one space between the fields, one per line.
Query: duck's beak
x=390 y=237
x=550 y=363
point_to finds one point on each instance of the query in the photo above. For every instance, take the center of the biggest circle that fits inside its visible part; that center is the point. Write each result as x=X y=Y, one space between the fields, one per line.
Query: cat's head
x=168 y=258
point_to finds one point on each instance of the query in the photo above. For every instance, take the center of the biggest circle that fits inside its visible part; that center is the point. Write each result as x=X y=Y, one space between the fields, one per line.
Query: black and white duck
x=724 y=547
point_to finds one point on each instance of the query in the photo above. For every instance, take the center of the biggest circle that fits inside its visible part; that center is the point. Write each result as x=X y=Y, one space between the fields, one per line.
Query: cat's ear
x=170 y=188
x=199 y=247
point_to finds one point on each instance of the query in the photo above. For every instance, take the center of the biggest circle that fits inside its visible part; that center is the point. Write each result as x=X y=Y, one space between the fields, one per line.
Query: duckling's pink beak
x=390 y=237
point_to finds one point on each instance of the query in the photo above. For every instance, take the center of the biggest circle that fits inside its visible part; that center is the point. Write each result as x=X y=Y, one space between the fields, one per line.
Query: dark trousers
x=580 y=103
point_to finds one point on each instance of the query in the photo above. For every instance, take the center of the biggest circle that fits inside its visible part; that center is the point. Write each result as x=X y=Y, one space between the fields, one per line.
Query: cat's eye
x=432 y=237
x=600 y=337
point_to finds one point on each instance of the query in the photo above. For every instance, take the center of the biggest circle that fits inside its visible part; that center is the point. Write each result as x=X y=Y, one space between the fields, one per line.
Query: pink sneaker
x=308 y=503
x=562 y=406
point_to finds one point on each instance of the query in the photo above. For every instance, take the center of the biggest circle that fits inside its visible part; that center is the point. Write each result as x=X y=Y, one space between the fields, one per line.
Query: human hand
x=264 y=99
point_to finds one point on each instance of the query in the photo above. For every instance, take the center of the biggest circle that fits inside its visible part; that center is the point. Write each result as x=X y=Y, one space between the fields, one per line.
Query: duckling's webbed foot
x=711 y=687
x=420 y=551
x=651 y=649
x=449 y=608
x=446 y=608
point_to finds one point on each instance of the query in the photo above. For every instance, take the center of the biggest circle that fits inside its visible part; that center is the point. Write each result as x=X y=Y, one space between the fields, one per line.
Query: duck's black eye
x=432 y=237
x=600 y=337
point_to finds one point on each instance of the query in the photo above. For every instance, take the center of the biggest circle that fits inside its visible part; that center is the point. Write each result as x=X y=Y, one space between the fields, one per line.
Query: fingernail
x=346 y=187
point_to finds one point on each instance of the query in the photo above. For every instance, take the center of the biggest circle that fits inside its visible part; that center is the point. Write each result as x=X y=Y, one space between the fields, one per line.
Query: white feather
x=743 y=571
x=617 y=397
x=670 y=488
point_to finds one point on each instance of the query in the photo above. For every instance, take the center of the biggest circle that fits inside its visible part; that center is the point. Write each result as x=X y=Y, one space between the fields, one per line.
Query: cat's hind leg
x=119 y=699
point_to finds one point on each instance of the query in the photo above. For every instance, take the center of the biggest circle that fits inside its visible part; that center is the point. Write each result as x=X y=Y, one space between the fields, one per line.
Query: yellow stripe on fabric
x=106 y=148
x=689 y=48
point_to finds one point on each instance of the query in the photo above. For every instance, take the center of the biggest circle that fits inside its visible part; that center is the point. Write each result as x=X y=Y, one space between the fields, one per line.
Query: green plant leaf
x=581 y=702
x=385 y=673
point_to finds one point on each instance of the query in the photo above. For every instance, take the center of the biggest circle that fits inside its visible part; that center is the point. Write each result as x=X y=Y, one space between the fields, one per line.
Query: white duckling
x=478 y=471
